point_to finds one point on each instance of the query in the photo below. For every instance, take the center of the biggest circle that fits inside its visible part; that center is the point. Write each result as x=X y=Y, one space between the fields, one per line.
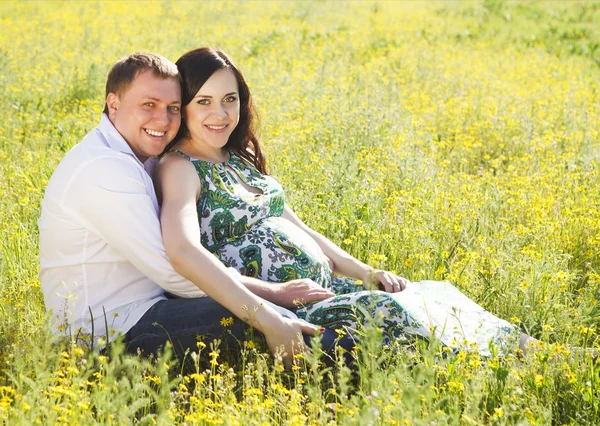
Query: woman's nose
x=220 y=111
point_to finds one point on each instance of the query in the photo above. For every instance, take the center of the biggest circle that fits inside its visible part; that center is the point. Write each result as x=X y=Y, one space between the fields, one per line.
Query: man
x=103 y=267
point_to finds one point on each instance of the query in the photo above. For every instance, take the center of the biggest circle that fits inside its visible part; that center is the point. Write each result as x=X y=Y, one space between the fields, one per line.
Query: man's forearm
x=291 y=294
x=267 y=290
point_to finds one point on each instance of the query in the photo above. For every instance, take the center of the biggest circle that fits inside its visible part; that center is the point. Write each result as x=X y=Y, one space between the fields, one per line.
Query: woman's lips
x=216 y=129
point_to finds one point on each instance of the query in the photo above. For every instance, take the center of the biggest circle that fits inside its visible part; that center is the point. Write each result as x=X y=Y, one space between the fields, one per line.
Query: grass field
x=450 y=141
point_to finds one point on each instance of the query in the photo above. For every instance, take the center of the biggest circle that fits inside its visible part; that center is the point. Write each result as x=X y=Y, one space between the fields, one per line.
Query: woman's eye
x=203 y=102
x=230 y=99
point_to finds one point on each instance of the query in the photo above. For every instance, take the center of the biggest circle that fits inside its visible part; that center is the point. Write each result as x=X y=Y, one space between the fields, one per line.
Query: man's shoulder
x=93 y=160
x=94 y=148
x=94 y=152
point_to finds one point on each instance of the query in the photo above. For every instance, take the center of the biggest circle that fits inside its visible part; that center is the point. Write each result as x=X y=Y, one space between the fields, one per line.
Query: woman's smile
x=216 y=129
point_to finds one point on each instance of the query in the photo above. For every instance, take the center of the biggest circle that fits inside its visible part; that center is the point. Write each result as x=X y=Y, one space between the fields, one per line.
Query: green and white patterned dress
x=246 y=231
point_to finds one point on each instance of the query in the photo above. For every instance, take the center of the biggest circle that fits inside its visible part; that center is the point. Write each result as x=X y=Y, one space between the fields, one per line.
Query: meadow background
x=450 y=140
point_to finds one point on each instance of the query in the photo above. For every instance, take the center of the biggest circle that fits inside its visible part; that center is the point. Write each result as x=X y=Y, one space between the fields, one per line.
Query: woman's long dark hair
x=195 y=68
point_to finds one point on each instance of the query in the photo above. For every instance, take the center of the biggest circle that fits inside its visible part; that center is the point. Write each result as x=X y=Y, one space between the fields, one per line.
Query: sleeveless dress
x=246 y=231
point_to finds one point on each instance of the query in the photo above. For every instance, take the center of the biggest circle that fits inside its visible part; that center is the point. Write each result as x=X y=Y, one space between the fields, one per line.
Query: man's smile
x=154 y=132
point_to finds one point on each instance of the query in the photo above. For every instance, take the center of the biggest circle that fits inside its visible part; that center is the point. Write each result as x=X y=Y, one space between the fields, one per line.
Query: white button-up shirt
x=102 y=259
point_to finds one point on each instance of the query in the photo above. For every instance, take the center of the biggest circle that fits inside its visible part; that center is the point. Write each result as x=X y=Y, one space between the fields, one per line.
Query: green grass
x=451 y=140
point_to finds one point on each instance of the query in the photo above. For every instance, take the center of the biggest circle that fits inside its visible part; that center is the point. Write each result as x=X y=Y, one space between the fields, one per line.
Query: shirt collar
x=113 y=137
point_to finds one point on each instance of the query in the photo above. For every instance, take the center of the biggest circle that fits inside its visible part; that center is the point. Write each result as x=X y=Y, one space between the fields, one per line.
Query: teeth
x=154 y=132
x=216 y=127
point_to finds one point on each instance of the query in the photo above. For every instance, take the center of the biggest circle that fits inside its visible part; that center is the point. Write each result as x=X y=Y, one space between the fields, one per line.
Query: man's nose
x=161 y=116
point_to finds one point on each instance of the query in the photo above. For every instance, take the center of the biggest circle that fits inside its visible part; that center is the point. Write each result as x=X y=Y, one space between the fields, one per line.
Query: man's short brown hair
x=125 y=70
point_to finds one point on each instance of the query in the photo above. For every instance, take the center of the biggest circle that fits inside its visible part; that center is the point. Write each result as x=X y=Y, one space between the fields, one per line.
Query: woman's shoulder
x=175 y=175
x=175 y=153
x=172 y=162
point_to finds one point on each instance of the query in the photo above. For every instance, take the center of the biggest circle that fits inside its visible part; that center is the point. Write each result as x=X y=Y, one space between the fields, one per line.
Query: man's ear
x=113 y=102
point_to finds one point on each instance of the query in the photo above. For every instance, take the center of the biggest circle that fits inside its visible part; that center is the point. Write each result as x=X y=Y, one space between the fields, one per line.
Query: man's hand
x=296 y=293
x=303 y=290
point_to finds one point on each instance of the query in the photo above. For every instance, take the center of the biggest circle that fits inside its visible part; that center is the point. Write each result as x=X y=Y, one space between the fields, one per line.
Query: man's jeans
x=180 y=321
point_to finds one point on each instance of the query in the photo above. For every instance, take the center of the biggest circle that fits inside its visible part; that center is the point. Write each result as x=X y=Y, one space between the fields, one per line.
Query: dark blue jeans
x=184 y=321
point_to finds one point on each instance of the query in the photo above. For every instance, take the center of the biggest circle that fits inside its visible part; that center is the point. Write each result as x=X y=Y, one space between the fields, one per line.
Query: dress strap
x=181 y=154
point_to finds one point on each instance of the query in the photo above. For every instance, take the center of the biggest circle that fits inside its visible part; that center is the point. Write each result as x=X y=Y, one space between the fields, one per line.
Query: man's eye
x=174 y=108
x=149 y=104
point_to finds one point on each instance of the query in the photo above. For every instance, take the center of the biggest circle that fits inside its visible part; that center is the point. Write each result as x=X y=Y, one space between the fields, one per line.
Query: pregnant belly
x=279 y=251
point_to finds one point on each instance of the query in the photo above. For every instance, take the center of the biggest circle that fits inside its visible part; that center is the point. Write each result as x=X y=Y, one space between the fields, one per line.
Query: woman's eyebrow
x=208 y=96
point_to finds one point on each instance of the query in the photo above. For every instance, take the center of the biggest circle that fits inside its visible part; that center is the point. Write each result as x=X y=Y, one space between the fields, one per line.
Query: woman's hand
x=296 y=293
x=377 y=279
x=284 y=337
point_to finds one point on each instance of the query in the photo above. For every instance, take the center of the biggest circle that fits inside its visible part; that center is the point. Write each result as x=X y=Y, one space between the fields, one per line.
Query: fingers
x=290 y=349
x=298 y=347
x=390 y=282
x=303 y=282
x=396 y=286
x=404 y=282
x=385 y=280
x=287 y=361
x=304 y=291
x=291 y=360
x=286 y=353
x=308 y=328
x=320 y=290
x=399 y=283
x=305 y=348
x=317 y=295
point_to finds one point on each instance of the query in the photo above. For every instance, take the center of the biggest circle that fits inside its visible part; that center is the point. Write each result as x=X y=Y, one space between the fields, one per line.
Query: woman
x=214 y=183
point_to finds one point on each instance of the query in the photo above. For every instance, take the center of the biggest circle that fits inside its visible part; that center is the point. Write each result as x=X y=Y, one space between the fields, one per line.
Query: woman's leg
x=456 y=319
x=352 y=309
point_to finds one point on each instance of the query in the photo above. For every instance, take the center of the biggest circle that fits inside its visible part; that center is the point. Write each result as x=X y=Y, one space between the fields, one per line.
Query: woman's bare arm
x=179 y=188
x=345 y=264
